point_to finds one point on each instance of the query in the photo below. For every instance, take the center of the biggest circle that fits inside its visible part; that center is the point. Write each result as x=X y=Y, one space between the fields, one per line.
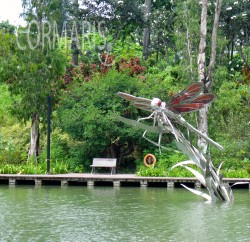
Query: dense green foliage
x=85 y=104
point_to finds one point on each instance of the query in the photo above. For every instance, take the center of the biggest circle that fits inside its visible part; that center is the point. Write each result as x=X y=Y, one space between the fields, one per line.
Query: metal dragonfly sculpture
x=163 y=114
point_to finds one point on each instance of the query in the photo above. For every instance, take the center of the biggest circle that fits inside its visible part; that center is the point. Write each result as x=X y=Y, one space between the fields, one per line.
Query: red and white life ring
x=149 y=160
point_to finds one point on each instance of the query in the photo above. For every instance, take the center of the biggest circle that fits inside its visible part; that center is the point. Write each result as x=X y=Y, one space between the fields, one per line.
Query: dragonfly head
x=156 y=102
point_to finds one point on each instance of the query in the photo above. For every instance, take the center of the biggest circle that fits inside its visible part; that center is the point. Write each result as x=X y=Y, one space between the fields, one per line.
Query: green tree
x=92 y=108
x=146 y=30
x=31 y=75
x=235 y=17
x=186 y=38
x=6 y=27
x=121 y=18
x=34 y=68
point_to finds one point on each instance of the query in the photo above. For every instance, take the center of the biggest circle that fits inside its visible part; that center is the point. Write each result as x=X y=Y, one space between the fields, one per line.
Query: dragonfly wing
x=186 y=108
x=152 y=129
x=139 y=102
x=126 y=96
x=143 y=106
x=190 y=92
x=204 y=98
x=132 y=98
x=192 y=105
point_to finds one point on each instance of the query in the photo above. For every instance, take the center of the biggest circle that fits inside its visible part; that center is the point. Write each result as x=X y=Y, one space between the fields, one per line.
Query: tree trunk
x=35 y=129
x=146 y=33
x=202 y=45
x=167 y=55
x=232 y=50
x=157 y=56
x=189 y=47
x=202 y=144
x=34 y=136
x=211 y=66
x=203 y=125
x=74 y=36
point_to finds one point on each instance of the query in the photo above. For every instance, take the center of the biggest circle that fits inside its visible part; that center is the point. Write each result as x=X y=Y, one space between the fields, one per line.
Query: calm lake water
x=48 y=213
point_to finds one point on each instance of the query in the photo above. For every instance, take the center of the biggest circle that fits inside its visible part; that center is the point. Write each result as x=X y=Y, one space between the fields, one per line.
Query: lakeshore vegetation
x=83 y=53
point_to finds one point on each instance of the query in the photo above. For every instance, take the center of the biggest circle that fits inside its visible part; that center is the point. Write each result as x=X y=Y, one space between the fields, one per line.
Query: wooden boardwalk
x=117 y=180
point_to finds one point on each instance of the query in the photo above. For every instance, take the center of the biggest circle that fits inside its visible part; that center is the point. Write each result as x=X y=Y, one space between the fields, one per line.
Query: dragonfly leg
x=154 y=143
x=149 y=117
x=144 y=134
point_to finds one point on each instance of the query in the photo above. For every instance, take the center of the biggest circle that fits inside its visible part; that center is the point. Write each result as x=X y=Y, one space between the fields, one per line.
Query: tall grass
x=56 y=167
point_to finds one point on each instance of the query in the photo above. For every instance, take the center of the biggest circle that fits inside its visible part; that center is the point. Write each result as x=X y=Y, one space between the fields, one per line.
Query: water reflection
x=120 y=214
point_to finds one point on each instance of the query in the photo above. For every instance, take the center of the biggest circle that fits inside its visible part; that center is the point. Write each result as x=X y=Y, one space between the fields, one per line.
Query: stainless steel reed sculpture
x=164 y=116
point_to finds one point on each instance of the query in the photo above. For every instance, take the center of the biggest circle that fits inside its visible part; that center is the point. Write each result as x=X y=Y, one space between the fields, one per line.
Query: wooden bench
x=104 y=162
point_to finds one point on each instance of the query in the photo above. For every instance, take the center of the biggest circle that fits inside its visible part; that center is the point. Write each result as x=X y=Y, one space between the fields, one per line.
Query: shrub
x=165 y=161
x=56 y=167
x=151 y=171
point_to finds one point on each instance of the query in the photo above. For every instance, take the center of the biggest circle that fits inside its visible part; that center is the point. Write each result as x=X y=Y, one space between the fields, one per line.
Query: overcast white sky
x=10 y=10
